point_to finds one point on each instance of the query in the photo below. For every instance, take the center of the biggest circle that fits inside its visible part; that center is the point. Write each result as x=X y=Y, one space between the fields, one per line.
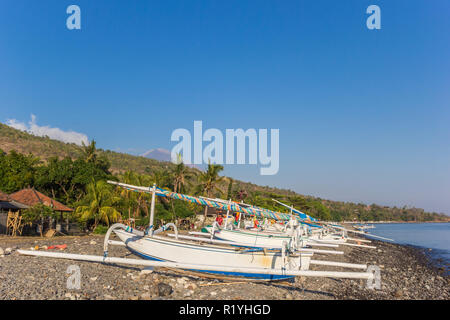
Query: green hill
x=46 y=148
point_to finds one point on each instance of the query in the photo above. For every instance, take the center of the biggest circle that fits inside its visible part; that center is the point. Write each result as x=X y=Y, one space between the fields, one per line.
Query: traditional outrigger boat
x=207 y=256
x=363 y=227
x=301 y=230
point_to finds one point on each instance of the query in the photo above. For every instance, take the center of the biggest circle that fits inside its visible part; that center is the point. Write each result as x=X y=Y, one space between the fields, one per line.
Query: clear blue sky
x=363 y=114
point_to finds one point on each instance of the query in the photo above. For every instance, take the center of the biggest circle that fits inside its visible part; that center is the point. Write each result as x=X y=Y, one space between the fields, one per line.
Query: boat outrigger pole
x=363 y=233
x=331 y=225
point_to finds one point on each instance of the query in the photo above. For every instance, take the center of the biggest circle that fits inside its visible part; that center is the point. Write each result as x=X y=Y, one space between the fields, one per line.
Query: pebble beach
x=406 y=273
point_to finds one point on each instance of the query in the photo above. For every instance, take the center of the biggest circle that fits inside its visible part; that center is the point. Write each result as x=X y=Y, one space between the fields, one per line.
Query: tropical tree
x=89 y=152
x=161 y=178
x=208 y=182
x=17 y=171
x=66 y=180
x=230 y=188
x=101 y=204
x=143 y=198
x=136 y=202
x=37 y=213
x=180 y=175
x=129 y=197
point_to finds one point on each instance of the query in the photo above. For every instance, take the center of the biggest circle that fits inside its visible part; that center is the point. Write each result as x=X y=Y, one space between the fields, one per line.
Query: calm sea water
x=426 y=235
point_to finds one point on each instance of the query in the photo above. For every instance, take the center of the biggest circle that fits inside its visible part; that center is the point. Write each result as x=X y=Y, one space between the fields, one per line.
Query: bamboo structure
x=14 y=223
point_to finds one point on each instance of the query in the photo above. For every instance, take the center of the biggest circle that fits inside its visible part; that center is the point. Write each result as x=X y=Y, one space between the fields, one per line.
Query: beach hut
x=32 y=197
x=9 y=211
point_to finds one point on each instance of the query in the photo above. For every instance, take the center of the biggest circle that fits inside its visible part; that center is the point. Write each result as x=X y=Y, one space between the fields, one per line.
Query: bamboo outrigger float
x=211 y=256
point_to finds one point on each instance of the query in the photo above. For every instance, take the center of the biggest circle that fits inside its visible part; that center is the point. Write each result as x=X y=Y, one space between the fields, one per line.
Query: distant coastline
x=384 y=222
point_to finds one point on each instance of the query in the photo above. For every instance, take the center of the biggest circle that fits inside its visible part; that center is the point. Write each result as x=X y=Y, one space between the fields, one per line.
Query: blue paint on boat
x=255 y=276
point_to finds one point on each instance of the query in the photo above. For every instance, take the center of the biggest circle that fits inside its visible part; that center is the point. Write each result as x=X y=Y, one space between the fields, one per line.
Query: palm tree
x=180 y=174
x=230 y=188
x=89 y=152
x=129 y=196
x=208 y=182
x=161 y=178
x=101 y=206
x=136 y=202
x=143 y=198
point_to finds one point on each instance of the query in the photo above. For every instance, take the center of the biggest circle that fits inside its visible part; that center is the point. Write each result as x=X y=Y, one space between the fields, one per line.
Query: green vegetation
x=101 y=204
x=76 y=176
x=46 y=148
x=100 y=229
x=208 y=182
x=38 y=213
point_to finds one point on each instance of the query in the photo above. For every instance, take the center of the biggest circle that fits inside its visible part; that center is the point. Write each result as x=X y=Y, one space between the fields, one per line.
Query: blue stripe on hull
x=255 y=276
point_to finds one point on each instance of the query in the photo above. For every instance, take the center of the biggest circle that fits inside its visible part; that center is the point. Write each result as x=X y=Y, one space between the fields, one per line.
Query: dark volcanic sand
x=406 y=273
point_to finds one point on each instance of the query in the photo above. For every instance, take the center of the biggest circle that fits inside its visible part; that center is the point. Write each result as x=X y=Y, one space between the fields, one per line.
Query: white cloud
x=52 y=133
x=17 y=125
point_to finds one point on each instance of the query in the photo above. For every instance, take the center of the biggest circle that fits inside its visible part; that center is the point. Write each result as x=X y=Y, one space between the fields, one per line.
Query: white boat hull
x=163 y=249
x=251 y=238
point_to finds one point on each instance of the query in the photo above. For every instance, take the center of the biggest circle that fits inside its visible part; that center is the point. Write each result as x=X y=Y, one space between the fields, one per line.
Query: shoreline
x=406 y=273
x=433 y=258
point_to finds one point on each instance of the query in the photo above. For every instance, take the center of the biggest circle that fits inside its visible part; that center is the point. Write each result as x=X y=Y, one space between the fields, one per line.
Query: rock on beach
x=407 y=273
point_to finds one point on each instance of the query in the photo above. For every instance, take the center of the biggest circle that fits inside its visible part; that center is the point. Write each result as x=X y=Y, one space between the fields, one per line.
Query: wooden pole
x=8 y=222
x=228 y=214
x=152 y=209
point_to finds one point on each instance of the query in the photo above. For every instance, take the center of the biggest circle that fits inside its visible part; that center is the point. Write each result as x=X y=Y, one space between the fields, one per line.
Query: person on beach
x=219 y=219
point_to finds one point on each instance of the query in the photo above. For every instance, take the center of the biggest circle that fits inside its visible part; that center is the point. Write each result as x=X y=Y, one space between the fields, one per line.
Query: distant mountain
x=159 y=154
